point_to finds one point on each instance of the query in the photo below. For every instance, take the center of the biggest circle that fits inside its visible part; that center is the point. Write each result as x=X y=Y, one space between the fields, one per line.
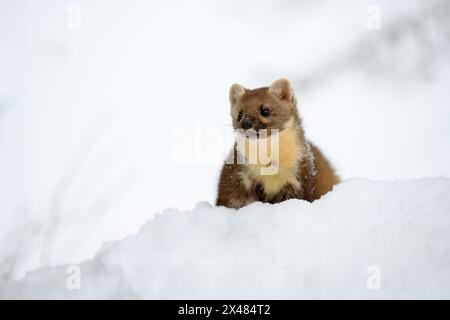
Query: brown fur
x=304 y=172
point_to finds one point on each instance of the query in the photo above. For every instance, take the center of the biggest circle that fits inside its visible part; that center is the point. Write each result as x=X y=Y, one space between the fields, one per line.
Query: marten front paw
x=285 y=193
x=259 y=191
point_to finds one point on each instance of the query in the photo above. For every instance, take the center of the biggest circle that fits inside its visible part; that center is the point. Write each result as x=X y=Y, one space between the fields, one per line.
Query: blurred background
x=98 y=97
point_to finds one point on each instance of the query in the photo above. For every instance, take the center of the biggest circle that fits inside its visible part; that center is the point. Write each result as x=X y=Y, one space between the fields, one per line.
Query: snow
x=89 y=115
x=394 y=231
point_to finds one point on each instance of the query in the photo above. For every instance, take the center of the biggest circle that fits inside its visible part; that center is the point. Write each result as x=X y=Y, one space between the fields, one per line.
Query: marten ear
x=282 y=89
x=236 y=91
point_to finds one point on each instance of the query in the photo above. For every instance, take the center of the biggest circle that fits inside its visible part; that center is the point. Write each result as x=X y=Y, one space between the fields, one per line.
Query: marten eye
x=265 y=112
x=239 y=116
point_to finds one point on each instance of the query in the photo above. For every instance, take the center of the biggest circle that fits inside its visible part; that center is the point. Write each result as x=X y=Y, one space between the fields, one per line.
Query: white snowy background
x=90 y=108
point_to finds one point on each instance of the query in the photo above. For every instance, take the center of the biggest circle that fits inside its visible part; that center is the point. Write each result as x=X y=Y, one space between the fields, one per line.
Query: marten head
x=263 y=108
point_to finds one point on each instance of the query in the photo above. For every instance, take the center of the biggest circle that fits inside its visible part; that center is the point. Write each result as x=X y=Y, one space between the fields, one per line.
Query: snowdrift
x=364 y=239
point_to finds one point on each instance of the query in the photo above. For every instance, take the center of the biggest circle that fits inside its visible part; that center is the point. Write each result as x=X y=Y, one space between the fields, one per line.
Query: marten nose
x=246 y=124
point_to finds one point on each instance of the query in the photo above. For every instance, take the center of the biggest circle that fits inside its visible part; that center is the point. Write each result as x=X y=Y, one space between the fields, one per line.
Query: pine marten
x=302 y=172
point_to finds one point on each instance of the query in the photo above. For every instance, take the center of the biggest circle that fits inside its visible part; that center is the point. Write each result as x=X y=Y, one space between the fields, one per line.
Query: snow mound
x=364 y=239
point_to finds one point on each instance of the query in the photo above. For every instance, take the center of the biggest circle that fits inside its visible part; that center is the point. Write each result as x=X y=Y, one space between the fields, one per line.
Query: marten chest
x=285 y=155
